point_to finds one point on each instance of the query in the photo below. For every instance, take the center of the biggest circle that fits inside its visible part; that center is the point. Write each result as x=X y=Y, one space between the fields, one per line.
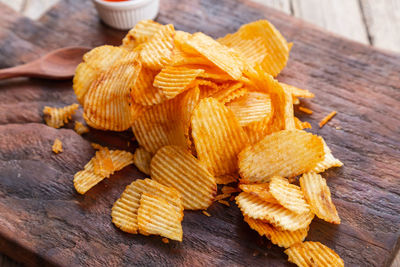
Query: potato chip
x=80 y=128
x=297 y=92
x=121 y=159
x=102 y=163
x=124 y=212
x=318 y=195
x=107 y=103
x=86 y=179
x=278 y=237
x=329 y=161
x=300 y=125
x=285 y=153
x=57 y=117
x=313 y=254
x=216 y=53
x=143 y=92
x=207 y=88
x=222 y=196
x=225 y=90
x=159 y=217
x=189 y=101
x=288 y=195
x=157 y=52
x=234 y=95
x=57 y=146
x=229 y=189
x=96 y=146
x=259 y=190
x=226 y=178
x=142 y=159
x=181 y=58
x=224 y=202
x=174 y=166
x=252 y=107
x=252 y=50
x=95 y=62
x=275 y=214
x=142 y=32
x=217 y=136
x=174 y=80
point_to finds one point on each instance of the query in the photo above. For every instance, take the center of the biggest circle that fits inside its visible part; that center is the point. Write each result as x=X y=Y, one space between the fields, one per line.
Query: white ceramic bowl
x=124 y=15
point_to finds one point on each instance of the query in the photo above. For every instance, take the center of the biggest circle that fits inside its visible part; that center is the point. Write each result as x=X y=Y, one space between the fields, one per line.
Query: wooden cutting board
x=44 y=221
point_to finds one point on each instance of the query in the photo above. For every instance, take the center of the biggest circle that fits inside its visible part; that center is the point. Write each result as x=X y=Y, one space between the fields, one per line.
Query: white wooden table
x=372 y=22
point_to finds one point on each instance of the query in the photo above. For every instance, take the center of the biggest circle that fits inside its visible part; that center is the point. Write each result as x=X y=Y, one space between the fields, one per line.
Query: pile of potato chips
x=208 y=112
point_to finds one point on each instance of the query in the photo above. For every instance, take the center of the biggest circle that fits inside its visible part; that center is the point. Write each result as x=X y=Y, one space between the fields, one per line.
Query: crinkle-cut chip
x=229 y=189
x=288 y=195
x=95 y=62
x=234 y=95
x=172 y=80
x=157 y=51
x=252 y=107
x=85 y=180
x=125 y=210
x=143 y=92
x=189 y=101
x=137 y=110
x=156 y=216
x=80 y=128
x=174 y=166
x=57 y=146
x=218 y=54
x=213 y=74
x=300 y=125
x=57 y=117
x=282 y=238
x=259 y=190
x=180 y=42
x=313 y=254
x=225 y=90
x=285 y=153
x=275 y=214
x=141 y=33
x=217 y=136
x=297 y=92
x=181 y=58
x=142 y=159
x=121 y=159
x=226 y=178
x=329 y=160
x=207 y=88
x=318 y=195
x=102 y=163
x=107 y=103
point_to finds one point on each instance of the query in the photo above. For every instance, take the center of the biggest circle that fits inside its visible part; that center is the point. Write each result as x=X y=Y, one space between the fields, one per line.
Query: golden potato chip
x=213 y=74
x=318 y=195
x=259 y=190
x=174 y=80
x=225 y=90
x=297 y=92
x=329 y=161
x=157 y=51
x=96 y=146
x=226 y=178
x=121 y=159
x=275 y=214
x=124 y=212
x=174 y=166
x=142 y=159
x=102 y=163
x=288 y=195
x=300 y=125
x=107 y=103
x=252 y=107
x=240 y=92
x=57 y=117
x=285 y=153
x=229 y=189
x=180 y=42
x=252 y=50
x=207 y=88
x=136 y=110
x=80 y=128
x=216 y=53
x=159 y=217
x=95 y=62
x=143 y=92
x=181 y=58
x=313 y=254
x=189 y=101
x=278 y=237
x=222 y=196
x=57 y=146
x=84 y=180
x=142 y=32
x=217 y=136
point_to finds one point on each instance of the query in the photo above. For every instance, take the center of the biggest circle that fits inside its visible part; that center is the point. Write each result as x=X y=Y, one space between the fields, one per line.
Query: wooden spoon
x=57 y=65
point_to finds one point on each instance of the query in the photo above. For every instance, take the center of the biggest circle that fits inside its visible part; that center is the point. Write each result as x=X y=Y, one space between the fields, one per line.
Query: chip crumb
x=338 y=128
x=256 y=253
x=222 y=196
x=327 y=118
x=165 y=240
x=229 y=190
x=57 y=146
x=226 y=203
x=232 y=198
x=306 y=110
x=206 y=213
x=80 y=128
x=96 y=146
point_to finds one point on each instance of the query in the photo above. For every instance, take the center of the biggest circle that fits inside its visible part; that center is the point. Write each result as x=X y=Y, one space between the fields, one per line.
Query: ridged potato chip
x=57 y=146
x=95 y=62
x=288 y=195
x=297 y=92
x=329 y=161
x=275 y=214
x=285 y=153
x=124 y=212
x=253 y=51
x=234 y=95
x=79 y=128
x=207 y=88
x=143 y=92
x=102 y=163
x=226 y=178
x=57 y=117
x=259 y=190
x=173 y=80
x=225 y=90
x=107 y=103
x=313 y=254
x=174 y=166
x=300 y=125
x=141 y=33
x=157 y=51
x=142 y=159
x=278 y=237
x=181 y=58
x=157 y=216
x=318 y=195
x=217 y=136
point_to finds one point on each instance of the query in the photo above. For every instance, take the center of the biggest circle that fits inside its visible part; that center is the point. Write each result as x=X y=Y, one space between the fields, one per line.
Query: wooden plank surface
x=51 y=224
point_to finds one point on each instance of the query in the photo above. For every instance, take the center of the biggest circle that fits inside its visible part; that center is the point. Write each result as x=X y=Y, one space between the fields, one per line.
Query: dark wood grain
x=45 y=222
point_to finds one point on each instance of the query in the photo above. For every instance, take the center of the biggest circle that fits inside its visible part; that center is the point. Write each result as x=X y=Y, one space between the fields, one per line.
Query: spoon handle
x=18 y=71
